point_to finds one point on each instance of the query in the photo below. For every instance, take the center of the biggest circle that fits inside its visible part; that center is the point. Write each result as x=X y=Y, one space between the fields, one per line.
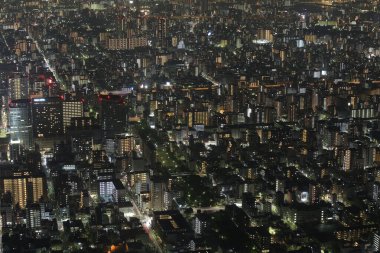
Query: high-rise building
x=24 y=187
x=33 y=215
x=313 y=193
x=265 y=34
x=124 y=144
x=82 y=134
x=347 y=160
x=18 y=87
x=20 y=124
x=158 y=188
x=199 y=117
x=161 y=32
x=201 y=223
x=375 y=194
x=47 y=117
x=106 y=190
x=111 y=190
x=15 y=151
x=376 y=242
x=71 y=109
x=126 y=43
x=113 y=114
x=280 y=185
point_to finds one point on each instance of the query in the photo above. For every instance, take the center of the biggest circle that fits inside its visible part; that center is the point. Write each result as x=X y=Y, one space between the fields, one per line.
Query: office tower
x=162 y=32
x=20 y=125
x=24 y=187
x=113 y=115
x=71 y=109
x=47 y=117
x=18 y=87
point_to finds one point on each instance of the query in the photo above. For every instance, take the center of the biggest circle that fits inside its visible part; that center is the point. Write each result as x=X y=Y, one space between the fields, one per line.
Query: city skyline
x=190 y=126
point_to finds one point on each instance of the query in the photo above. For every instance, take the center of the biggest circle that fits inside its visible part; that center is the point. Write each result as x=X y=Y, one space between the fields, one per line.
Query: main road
x=146 y=222
x=46 y=61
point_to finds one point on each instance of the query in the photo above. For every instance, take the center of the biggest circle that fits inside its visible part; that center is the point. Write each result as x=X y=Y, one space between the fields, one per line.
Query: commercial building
x=20 y=122
x=47 y=117
x=113 y=115
x=71 y=109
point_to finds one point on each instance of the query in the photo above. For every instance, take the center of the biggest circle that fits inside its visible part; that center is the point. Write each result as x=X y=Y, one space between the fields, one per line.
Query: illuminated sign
x=39 y=100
